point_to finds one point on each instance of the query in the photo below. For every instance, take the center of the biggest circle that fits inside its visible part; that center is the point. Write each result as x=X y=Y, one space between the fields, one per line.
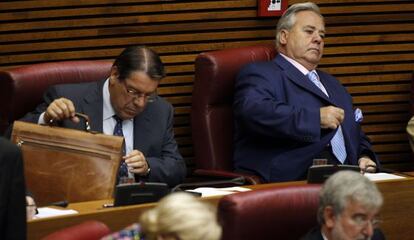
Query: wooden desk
x=397 y=213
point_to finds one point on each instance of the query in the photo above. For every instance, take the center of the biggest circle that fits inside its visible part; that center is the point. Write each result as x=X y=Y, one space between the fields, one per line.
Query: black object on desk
x=319 y=173
x=136 y=193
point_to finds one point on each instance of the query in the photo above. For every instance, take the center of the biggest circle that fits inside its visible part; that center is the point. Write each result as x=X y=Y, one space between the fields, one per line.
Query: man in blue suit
x=283 y=119
x=124 y=104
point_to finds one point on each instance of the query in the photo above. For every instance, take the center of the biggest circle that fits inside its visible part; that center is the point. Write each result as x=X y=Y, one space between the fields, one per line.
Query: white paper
x=210 y=191
x=382 y=176
x=46 y=212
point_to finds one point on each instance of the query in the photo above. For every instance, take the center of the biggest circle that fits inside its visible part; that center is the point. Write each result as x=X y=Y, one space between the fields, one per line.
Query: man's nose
x=368 y=230
x=317 y=38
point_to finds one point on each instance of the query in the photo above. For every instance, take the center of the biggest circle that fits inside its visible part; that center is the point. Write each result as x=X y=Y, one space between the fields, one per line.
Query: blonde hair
x=183 y=216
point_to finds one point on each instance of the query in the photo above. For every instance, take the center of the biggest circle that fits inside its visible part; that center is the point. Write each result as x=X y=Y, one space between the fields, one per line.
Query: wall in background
x=369 y=47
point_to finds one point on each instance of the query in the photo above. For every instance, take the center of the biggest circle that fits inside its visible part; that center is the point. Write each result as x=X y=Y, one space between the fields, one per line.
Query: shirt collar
x=297 y=65
x=108 y=110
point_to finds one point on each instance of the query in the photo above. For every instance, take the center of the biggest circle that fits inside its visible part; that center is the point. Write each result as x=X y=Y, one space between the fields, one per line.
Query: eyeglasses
x=362 y=221
x=148 y=97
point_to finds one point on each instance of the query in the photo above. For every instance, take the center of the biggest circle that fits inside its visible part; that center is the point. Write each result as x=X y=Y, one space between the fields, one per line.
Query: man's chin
x=130 y=114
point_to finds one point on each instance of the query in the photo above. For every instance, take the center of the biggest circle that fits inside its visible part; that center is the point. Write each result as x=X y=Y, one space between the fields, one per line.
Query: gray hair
x=288 y=18
x=346 y=186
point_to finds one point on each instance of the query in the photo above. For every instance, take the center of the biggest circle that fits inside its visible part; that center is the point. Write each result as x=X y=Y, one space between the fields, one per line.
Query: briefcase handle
x=86 y=117
x=80 y=115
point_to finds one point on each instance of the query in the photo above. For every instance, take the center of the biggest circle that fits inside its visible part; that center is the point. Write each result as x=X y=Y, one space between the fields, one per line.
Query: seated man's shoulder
x=313 y=234
x=74 y=86
x=266 y=69
x=160 y=105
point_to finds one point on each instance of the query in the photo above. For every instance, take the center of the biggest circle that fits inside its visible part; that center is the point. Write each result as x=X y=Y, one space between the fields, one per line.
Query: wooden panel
x=369 y=47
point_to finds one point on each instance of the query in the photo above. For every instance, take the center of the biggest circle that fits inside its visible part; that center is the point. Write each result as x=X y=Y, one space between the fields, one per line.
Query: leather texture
x=283 y=212
x=211 y=111
x=89 y=230
x=67 y=164
x=22 y=88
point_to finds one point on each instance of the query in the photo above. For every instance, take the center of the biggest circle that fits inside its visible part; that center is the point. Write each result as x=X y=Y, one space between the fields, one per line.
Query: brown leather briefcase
x=67 y=164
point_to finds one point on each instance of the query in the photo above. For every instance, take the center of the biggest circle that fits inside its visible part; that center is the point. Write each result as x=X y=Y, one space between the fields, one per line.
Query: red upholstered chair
x=286 y=213
x=22 y=88
x=89 y=230
x=211 y=111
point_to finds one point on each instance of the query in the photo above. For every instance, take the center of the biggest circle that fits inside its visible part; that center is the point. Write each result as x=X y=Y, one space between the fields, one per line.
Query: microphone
x=63 y=204
x=236 y=181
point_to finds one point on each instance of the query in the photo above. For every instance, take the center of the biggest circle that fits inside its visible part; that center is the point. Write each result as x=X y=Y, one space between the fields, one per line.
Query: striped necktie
x=123 y=168
x=337 y=142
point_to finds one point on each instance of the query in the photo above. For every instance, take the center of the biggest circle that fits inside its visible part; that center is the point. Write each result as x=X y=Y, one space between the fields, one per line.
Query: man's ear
x=114 y=75
x=329 y=216
x=284 y=35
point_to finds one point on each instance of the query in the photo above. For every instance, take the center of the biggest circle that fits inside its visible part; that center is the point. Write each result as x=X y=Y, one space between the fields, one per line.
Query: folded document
x=382 y=176
x=210 y=191
x=46 y=212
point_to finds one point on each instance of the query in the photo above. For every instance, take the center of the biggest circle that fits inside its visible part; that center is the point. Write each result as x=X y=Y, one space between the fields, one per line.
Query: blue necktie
x=337 y=142
x=123 y=168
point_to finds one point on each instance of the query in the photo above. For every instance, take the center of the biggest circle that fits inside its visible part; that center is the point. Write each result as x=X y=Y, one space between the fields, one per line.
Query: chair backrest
x=212 y=100
x=412 y=96
x=287 y=212
x=22 y=88
x=89 y=230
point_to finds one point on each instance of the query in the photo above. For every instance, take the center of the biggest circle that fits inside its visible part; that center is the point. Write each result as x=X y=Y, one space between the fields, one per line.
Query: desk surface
x=397 y=213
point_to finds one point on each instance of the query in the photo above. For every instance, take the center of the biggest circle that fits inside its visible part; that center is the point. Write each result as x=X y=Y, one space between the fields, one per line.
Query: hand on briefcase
x=67 y=164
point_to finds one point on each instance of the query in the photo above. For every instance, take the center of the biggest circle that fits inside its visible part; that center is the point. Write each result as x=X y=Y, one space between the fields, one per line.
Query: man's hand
x=60 y=109
x=30 y=208
x=367 y=165
x=331 y=117
x=137 y=163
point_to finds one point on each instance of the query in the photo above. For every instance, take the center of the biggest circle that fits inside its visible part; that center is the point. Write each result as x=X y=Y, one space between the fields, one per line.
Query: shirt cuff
x=41 y=120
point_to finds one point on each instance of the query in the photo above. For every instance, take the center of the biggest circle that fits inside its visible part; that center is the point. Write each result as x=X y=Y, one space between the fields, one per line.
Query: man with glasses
x=124 y=104
x=349 y=205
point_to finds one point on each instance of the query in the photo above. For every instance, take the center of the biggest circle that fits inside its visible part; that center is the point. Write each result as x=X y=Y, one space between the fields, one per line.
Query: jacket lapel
x=331 y=86
x=142 y=128
x=92 y=106
x=301 y=80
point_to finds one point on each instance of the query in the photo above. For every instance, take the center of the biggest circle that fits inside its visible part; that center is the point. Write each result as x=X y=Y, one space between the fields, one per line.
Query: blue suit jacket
x=153 y=128
x=277 y=121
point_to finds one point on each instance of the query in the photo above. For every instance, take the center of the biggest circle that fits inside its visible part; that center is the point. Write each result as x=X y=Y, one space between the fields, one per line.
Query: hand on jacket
x=331 y=117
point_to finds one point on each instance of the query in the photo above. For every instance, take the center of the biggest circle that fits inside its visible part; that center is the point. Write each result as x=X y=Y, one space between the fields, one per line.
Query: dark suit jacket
x=277 y=121
x=153 y=128
x=315 y=234
x=12 y=192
